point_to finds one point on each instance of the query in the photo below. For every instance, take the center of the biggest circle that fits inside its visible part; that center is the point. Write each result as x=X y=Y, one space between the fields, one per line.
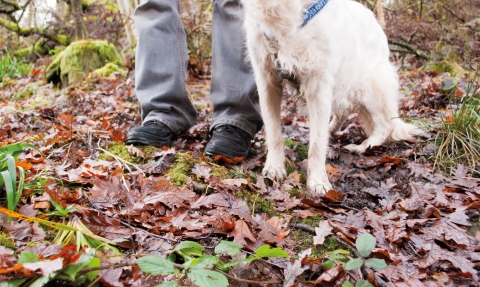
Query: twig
x=96 y=268
x=410 y=49
x=126 y=163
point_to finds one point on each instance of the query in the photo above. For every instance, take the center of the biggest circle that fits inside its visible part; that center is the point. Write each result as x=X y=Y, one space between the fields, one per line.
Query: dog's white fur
x=341 y=58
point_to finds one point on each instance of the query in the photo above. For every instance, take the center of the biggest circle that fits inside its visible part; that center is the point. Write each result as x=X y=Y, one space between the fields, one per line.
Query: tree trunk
x=380 y=14
x=126 y=10
x=80 y=30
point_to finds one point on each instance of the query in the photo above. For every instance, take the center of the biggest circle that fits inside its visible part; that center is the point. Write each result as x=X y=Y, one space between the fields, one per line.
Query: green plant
x=365 y=243
x=458 y=139
x=12 y=67
x=69 y=272
x=60 y=211
x=8 y=175
x=335 y=257
x=199 y=266
x=8 y=172
x=84 y=238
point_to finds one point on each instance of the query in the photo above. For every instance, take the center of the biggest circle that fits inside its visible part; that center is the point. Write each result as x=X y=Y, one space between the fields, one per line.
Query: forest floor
x=425 y=221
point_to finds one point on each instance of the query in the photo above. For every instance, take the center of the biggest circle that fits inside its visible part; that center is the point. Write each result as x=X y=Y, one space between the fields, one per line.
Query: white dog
x=341 y=58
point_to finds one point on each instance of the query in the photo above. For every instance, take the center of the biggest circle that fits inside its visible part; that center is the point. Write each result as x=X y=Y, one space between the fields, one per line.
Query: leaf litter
x=425 y=222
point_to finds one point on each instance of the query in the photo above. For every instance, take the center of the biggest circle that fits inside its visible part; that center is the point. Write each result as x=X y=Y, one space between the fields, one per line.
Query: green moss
x=445 y=66
x=304 y=239
x=183 y=164
x=301 y=150
x=256 y=203
x=120 y=150
x=109 y=70
x=6 y=241
x=475 y=226
x=81 y=58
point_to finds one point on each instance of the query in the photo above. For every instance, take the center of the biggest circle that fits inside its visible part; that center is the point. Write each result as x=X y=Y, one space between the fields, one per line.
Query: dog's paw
x=319 y=188
x=277 y=172
x=355 y=148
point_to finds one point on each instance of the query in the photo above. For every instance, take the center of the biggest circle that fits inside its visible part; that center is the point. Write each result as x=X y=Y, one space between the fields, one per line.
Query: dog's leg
x=379 y=106
x=381 y=125
x=336 y=123
x=318 y=92
x=270 y=94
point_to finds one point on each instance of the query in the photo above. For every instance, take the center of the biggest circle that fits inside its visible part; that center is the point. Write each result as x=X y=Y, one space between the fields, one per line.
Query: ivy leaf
x=354 y=264
x=228 y=247
x=167 y=284
x=365 y=244
x=207 y=278
x=26 y=256
x=347 y=284
x=156 y=265
x=375 y=263
x=265 y=251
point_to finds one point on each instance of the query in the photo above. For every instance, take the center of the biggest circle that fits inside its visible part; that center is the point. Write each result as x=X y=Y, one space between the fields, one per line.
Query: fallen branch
x=409 y=49
x=12 y=7
x=22 y=31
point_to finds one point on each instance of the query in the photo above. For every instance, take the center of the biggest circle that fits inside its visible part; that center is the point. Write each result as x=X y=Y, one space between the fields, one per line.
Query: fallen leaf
x=323 y=230
x=240 y=232
x=293 y=270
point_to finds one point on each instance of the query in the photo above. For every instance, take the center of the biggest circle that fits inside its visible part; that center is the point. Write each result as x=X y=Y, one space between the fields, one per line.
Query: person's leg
x=233 y=90
x=161 y=69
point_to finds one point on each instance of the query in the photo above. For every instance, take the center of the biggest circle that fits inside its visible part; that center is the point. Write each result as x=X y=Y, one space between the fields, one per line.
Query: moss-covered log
x=38 y=49
x=22 y=31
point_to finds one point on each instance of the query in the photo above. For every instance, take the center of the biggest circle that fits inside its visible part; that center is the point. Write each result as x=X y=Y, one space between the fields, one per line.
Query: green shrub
x=12 y=67
x=458 y=138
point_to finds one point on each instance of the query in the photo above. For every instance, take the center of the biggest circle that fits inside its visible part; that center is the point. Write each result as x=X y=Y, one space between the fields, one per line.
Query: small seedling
x=198 y=266
x=365 y=243
x=60 y=211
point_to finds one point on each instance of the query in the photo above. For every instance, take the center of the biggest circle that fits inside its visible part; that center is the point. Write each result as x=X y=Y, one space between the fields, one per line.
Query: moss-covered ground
x=183 y=164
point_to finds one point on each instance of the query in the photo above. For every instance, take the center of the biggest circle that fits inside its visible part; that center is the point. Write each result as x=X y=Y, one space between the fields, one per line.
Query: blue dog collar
x=312 y=10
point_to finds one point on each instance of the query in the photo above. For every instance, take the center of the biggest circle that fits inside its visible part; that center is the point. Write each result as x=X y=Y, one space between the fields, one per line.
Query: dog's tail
x=403 y=131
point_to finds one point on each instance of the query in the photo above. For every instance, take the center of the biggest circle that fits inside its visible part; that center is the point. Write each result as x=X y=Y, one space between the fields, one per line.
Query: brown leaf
x=323 y=230
x=45 y=267
x=111 y=277
x=330 y=275
x=303 y=213
x=334 y=196
x=202 y=170
x=292 y=271
x=240 y=232
x=216 y=199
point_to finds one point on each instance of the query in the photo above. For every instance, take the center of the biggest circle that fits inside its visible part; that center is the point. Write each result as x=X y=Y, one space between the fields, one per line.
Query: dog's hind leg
x=270 y=95
x=318 y=93
x=379 y=106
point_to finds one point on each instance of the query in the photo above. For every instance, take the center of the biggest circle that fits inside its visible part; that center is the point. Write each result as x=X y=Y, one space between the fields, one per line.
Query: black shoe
x=151 y=133
x=229 y=141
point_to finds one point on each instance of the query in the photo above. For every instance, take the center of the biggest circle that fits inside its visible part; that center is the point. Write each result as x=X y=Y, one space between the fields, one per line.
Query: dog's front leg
x=318 y=92
x=270 y=94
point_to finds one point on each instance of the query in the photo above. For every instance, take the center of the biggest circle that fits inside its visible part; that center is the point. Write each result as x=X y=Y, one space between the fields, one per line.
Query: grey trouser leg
x=161 y=65
x=233 y=89
x=161 y=68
